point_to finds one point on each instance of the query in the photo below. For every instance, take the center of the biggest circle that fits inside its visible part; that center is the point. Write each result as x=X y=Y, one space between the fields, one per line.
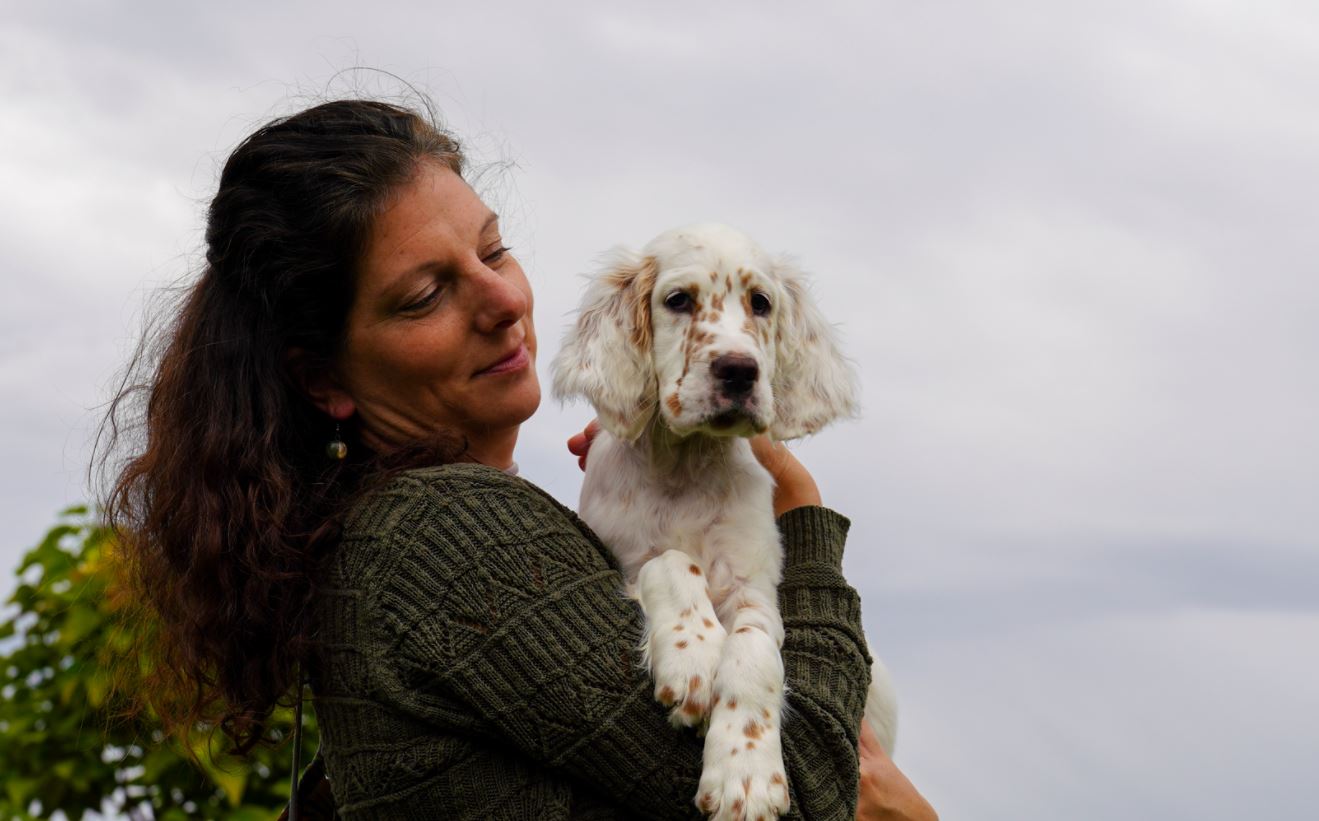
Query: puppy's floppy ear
x=813 y=384
x=607 y=356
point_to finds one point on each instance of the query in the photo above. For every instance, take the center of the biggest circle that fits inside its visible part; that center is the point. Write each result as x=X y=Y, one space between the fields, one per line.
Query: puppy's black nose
x=736 y=373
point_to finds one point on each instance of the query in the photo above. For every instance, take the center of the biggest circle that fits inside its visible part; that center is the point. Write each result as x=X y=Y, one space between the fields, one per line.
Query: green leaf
x=248 y=813
x=157 y=762
x=80 y=622
x=233 y=781
x=18 y=790
x=98 y=685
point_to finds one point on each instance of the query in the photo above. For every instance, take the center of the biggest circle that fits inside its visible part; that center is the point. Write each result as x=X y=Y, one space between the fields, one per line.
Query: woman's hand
x=793 y=485
x=885 y=793
x=580 y=443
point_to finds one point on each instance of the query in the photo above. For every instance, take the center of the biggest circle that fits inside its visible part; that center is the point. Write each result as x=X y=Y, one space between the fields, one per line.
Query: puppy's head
x=709 y=332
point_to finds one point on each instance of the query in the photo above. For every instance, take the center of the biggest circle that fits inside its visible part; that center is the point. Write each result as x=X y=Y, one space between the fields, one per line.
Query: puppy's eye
x=760 y=304
x=679 y=301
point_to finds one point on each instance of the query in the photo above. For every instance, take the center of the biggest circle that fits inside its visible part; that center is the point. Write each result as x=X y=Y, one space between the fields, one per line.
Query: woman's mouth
x=515 y=361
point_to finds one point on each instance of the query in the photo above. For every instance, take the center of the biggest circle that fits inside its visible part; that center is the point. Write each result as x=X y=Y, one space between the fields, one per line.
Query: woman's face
x=440 y=334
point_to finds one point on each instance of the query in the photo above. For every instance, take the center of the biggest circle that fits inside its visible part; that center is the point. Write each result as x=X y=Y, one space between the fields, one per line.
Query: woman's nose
x=500 y=300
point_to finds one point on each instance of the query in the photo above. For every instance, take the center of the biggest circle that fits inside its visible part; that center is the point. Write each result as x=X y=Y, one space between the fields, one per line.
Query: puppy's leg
x=743 y=775
x=683 y=635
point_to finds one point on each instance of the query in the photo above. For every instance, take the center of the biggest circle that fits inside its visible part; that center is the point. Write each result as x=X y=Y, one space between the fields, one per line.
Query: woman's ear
x=607 y=355
x=813 y=384
x=319 y=384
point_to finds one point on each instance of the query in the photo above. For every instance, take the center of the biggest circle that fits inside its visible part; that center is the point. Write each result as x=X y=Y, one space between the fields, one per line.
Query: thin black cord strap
x=297 y=751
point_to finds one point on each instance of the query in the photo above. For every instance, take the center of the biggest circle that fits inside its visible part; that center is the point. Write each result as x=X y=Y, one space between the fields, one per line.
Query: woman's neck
x=494 y=449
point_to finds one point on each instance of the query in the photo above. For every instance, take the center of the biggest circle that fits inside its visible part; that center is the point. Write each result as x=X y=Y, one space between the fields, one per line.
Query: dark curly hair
x=227 y=499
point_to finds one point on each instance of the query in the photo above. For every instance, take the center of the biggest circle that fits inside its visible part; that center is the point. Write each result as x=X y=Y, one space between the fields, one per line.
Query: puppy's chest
x=726 y=526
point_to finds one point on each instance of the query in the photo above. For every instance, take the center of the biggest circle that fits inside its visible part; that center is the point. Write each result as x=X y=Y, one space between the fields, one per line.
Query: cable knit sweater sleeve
x=478 y=658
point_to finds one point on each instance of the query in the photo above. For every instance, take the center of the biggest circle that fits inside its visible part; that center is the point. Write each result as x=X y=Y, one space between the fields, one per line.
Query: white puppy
x=686 y=349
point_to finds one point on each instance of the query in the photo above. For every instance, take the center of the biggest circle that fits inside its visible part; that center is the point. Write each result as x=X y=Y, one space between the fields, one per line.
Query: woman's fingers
x=884 y=793
x=793 y=484
x=580 y=443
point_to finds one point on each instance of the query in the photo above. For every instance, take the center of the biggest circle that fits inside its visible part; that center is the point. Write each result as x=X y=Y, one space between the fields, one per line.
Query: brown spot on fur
x=700 y=636
x=732 y=704
x=717 y=302
x=666 y=696
x=747 y=605
x=636 y=285
x=714 y=275
x=685 y=613
x=734 y=751
x=692 y=708
x=751 y=745
x=777 y=778
x=695 y=571
x=742 y=630
x=737 y=806
x=678 y=628
x=674 y=403
x=765 y=713
x=681 y=645
x=746 y=784
x=715 y=702
x=743 y=277
x=694 y=684
x=752 y=729
x=707 y=622
x=706 y=804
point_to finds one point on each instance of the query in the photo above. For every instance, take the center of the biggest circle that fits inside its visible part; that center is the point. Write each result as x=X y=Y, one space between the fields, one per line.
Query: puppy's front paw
x=684 y=656
x=742 y=778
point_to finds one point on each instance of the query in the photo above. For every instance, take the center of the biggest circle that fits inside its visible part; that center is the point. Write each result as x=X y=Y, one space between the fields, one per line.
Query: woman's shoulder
x=453 y=514
x=425 y=492
x=423 y=535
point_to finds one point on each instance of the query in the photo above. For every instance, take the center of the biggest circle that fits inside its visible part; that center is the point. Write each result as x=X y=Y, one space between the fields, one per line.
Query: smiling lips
x=515 y=361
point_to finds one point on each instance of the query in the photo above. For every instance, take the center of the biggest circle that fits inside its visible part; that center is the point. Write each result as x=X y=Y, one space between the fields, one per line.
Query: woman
x=326 y=485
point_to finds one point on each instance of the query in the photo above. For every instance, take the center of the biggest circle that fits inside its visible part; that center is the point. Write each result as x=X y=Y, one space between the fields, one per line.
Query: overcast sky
x=1071 y=248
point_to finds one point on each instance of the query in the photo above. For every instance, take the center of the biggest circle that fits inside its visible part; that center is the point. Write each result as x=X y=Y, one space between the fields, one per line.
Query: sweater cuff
x=813 y=534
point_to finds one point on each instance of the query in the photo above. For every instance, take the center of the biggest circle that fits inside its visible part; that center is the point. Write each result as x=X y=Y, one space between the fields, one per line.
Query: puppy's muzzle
x=735 y=375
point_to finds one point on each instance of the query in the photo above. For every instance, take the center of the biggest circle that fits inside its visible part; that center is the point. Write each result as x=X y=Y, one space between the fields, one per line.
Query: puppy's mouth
x=734 y=422
x=728 y=419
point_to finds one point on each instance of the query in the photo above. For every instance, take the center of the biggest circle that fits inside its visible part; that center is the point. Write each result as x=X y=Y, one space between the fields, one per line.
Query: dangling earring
x=337 y=448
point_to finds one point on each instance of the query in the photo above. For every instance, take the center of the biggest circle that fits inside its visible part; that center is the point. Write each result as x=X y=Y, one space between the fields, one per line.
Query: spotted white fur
x=685 y=349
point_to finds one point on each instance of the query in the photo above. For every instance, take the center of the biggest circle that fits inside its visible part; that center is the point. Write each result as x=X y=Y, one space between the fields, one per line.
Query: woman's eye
x=679 y=301
x=496 y=255
x=423 y=302
x=760 y=304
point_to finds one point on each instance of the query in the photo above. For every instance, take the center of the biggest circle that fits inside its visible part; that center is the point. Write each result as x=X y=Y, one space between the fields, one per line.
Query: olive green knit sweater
x=477 y=659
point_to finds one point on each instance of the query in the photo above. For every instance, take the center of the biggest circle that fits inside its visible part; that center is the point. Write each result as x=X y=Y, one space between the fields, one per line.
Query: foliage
x=67 y=741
